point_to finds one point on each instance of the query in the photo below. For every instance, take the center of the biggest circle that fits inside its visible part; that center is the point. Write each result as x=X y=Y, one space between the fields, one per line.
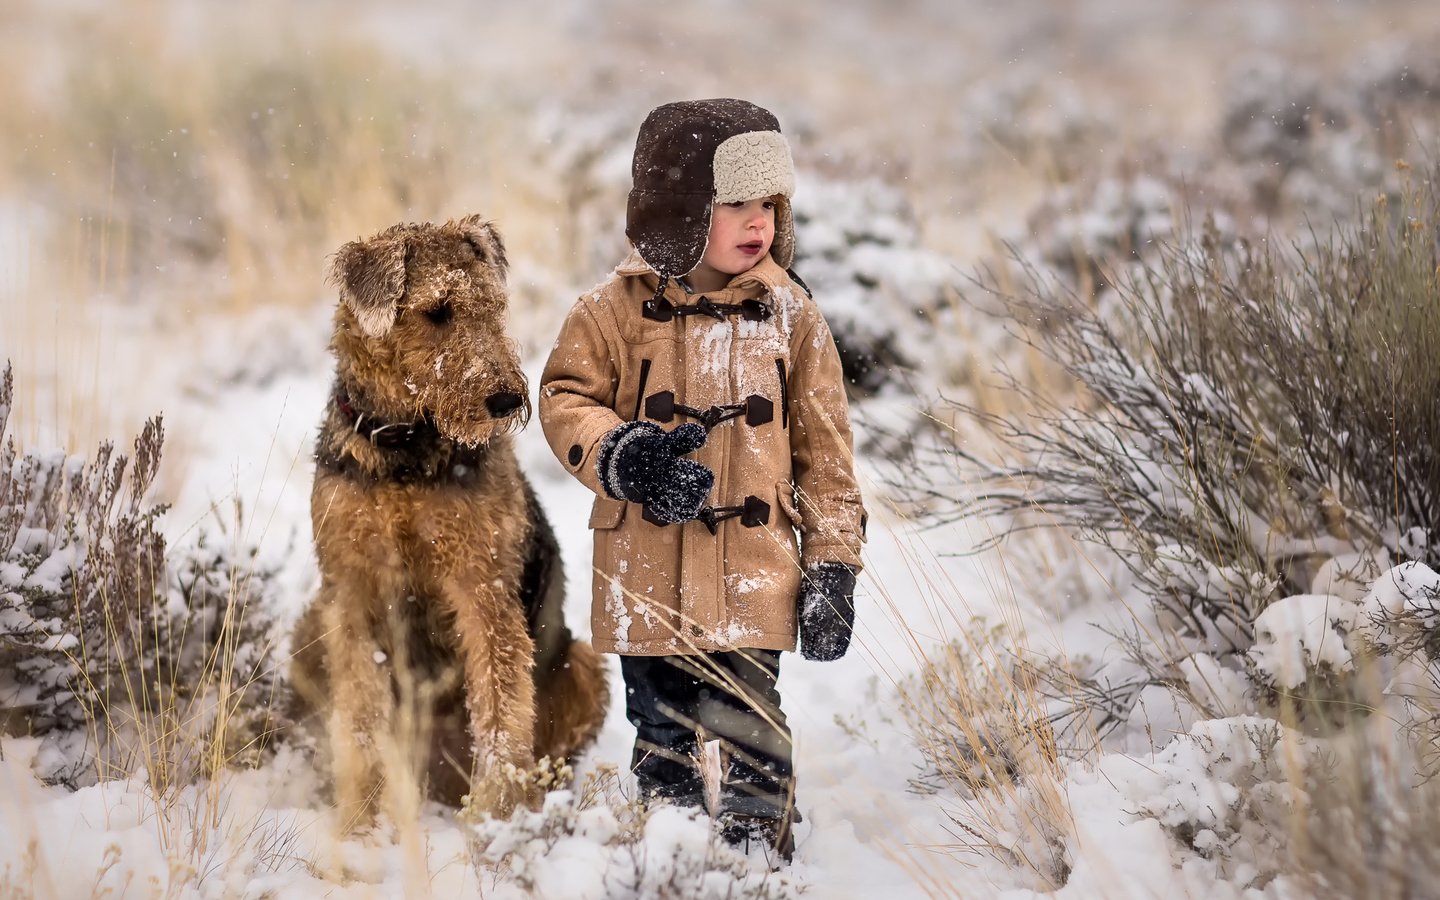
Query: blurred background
x=174 y=174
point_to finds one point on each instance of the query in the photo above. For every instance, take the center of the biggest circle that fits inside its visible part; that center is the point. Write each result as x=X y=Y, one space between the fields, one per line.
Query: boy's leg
x=745 y=714
x=660 y=698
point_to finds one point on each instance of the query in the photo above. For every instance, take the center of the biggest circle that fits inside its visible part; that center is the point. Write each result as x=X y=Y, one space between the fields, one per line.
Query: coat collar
x=767 y=274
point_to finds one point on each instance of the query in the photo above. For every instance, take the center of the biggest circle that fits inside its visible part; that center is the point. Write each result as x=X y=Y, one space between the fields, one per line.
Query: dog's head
x=421 y=327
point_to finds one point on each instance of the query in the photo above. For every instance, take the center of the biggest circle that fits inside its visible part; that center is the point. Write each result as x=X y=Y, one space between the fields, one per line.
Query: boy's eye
x=768 y=204
x=735 y=204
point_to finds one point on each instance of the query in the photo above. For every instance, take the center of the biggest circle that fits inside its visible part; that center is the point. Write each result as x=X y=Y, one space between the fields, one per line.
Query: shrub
x=1245 y=414
x=113 y=652
x=1221 y=791
x=892 y=306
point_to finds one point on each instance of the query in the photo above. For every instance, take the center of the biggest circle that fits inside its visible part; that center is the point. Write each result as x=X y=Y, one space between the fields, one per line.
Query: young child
x=698 y=393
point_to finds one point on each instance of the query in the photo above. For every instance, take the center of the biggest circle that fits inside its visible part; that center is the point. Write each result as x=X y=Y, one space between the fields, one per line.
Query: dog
x=436 y=645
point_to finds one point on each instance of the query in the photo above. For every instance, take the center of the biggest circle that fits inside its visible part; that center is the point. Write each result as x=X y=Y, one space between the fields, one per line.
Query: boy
x=698 y=393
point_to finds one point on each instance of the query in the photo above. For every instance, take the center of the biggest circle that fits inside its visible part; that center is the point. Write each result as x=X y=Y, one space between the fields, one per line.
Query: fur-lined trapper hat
x=697 y=152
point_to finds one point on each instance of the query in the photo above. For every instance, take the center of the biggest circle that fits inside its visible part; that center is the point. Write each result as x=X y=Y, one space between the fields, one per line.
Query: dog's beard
x=482 y=431
x=467 y=421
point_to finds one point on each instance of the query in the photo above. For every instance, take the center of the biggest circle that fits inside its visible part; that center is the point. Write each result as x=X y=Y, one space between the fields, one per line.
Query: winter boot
x=774 y=837
x=666 y=780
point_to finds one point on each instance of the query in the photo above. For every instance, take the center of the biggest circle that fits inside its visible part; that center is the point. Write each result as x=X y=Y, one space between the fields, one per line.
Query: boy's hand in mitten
x=640 y=462
x=827 y=610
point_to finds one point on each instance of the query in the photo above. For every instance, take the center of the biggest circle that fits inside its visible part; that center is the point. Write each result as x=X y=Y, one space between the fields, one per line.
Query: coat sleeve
x=822 y=452
x=577 y=393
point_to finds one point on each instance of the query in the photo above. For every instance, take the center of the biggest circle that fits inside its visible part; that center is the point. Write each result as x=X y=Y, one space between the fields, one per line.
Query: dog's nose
x=503 y=403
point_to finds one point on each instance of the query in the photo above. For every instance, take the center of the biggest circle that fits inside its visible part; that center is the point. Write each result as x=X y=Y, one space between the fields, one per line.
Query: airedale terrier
x=437 y=643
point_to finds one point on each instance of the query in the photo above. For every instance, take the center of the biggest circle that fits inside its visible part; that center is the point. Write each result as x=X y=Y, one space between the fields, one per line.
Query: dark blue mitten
x=827 y=610
x=640 y=462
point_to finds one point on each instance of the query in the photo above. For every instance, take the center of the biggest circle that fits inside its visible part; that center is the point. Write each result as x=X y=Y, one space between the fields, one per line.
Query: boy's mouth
x=752 y=246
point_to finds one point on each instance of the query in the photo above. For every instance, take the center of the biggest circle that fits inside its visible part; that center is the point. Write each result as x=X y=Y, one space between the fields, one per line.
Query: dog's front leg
x=361 y=718
x=497 y=654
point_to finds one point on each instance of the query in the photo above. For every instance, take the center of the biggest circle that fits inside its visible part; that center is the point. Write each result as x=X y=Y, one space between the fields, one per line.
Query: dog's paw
x=508 y=787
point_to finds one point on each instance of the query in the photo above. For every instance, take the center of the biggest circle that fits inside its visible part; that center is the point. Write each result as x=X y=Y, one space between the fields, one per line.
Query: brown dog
x=437 y=643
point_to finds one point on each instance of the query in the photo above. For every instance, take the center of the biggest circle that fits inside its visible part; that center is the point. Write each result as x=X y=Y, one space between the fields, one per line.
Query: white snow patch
x=1296 y=636
x=615 y=607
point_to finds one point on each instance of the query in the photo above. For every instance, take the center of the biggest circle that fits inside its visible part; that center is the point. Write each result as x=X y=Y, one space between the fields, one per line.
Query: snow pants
x=678 y=702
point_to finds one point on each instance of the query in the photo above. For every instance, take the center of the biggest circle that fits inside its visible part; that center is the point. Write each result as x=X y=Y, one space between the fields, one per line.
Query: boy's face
x=740 y=235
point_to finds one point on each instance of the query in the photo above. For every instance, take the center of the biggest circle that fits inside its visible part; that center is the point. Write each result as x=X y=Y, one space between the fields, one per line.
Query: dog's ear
x=482 y=235
x=371 y=278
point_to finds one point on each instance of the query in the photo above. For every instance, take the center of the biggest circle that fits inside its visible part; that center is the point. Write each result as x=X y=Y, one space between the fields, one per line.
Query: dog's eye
x=439 y=315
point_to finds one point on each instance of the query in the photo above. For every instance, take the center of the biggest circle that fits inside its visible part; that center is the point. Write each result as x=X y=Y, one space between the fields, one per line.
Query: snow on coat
x=661 y=589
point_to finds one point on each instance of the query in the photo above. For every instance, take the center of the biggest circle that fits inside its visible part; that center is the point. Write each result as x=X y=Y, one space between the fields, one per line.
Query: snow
x=1300 y=635
x=1170 y=804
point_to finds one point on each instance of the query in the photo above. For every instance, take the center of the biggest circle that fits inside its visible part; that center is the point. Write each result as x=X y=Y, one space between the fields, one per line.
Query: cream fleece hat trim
x=753 y=164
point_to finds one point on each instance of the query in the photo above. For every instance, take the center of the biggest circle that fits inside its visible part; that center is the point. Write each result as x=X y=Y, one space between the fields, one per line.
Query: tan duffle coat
x=661 y=589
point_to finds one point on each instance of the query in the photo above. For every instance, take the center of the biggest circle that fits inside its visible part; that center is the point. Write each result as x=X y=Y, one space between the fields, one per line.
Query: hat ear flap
x=782 y=248
x=482 y=235
x=371 y=278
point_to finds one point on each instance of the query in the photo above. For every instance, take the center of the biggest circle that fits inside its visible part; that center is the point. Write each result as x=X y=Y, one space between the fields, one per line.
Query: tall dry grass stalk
x=233 y=169
x=977 y=714
x=981 y=725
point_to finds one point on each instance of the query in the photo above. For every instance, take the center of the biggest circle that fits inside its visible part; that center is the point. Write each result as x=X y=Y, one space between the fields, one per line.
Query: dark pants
x=730 y=696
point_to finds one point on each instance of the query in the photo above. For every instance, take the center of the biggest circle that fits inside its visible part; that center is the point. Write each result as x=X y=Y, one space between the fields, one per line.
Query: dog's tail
x=570 y=703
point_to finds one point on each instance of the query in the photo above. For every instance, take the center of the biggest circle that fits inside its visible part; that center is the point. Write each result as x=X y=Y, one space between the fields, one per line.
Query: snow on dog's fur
x=436 y=646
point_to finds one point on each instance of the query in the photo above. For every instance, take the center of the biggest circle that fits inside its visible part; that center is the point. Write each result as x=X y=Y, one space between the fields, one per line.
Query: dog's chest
x=425 y=635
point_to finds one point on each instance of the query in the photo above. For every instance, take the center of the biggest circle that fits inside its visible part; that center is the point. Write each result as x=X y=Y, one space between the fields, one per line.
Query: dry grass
x=981 y=725
x=231 y=168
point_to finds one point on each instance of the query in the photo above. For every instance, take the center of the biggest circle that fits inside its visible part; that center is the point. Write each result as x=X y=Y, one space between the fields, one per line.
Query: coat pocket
x=785 y=497
x=607 y=513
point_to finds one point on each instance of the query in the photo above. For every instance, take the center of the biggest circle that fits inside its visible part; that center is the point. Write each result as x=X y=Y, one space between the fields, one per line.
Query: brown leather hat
x=693 y=153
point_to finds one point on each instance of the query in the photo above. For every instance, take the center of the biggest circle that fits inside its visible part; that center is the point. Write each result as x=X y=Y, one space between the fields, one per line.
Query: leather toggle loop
x=753 y=513
x=756 y=409
x=660 y=309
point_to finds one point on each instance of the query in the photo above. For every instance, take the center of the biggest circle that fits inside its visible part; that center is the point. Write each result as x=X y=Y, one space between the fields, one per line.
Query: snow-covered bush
x=892 y=305
x=592 y=843
x=111 y=651
x=1305 y=139
x=1274 y=114
x=1247 y=414
x=1220 y=791
x=1080 y=228
x=1402 y=611
x=1302 y=655
x=1034 y=118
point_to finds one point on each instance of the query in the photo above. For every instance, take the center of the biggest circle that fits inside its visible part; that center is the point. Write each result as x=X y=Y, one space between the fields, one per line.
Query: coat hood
x=693 y=153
